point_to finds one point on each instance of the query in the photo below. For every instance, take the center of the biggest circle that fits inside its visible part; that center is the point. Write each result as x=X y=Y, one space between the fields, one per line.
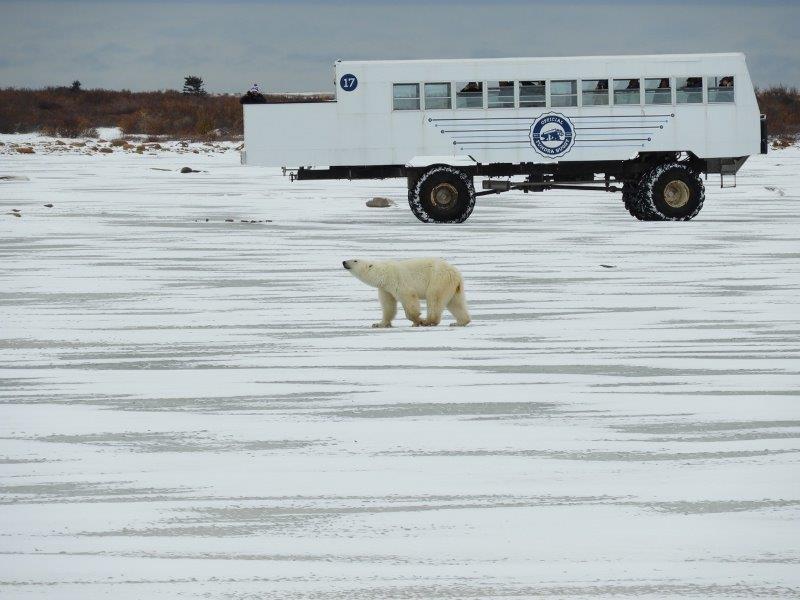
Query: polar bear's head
x=364 y=270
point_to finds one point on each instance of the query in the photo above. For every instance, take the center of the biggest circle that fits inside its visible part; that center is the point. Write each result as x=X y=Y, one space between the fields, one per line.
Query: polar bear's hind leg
x=458 y=307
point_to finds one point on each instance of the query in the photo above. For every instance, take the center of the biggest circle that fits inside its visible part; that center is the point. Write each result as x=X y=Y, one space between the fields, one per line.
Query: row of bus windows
x=593 y=92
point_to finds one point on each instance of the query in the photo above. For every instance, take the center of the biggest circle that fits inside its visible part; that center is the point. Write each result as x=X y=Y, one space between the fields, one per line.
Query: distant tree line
x=193 y=113
x=781 y=104
x=72 y=111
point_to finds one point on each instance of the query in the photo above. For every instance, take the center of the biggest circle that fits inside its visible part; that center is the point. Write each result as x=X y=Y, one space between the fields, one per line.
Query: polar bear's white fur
x=432 y=279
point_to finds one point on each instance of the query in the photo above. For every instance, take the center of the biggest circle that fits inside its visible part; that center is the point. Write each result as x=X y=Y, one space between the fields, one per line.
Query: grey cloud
x=291 y=46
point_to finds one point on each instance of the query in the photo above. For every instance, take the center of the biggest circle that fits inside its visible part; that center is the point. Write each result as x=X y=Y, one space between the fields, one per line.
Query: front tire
x=442 y=195
x=671 y=192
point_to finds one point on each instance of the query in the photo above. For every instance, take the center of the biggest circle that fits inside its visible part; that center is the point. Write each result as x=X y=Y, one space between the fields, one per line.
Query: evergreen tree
x=76 y=86
x=193 y=86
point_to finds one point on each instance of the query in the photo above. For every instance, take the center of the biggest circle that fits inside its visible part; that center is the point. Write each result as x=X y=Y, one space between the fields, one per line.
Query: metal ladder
x=727 y=168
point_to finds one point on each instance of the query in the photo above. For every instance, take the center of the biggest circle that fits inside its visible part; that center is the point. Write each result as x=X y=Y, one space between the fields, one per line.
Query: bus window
x=720 y=89
x=626 y=91
x=690 y=90
x=437 y=95
x=405 y=96
x=469 y=94
x=564 y=93
x=594 y=92
x=657 y=91
x=532 y=93
x=501 y=94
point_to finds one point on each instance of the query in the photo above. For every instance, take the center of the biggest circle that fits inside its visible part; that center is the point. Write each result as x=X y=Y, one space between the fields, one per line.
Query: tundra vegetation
x=71 y=111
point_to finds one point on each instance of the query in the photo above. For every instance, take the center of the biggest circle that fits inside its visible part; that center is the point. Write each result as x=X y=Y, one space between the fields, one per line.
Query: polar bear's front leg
x=389 y=306
x=411 y=307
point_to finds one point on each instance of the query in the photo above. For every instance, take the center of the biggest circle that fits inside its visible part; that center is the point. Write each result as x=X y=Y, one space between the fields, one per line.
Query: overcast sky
x=290 y=46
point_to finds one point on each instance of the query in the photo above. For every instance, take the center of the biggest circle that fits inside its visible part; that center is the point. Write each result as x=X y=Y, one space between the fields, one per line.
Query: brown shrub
x=781 y=104
x=26 y=150
x=783 y=142
x=65 y=113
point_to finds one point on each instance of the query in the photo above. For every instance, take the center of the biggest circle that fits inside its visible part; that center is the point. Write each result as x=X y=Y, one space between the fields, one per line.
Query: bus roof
x=528 y=59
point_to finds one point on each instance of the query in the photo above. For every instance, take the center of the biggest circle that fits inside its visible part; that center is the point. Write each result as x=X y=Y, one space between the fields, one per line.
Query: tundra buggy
x=648 y=126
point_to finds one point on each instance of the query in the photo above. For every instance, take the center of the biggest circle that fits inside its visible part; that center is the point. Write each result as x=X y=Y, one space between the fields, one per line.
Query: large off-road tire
x=630 y=197
x=442 y=195
x=670 y=191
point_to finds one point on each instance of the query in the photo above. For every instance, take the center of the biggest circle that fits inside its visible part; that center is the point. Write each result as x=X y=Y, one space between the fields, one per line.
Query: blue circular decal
x=552 y=135
x=349 y=82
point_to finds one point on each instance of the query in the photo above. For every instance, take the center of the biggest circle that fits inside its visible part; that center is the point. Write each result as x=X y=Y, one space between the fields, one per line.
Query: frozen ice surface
x=193 y=407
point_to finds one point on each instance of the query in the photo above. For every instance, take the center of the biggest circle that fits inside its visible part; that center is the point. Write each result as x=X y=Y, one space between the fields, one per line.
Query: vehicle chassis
x=540 y=177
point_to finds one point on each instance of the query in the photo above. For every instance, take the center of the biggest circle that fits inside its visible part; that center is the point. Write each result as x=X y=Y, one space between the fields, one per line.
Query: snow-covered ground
x=195 y=406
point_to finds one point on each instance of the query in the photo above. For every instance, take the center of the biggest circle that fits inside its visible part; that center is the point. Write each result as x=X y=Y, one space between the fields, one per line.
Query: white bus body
x=475 y=115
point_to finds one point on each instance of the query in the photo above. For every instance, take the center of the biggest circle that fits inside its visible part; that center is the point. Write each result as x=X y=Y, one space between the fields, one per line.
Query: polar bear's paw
x=381 y=325
x=427 y=323
x=456 y=324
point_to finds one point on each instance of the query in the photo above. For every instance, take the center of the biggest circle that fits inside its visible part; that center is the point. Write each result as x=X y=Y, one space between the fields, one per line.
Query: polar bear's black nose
x=345 y=265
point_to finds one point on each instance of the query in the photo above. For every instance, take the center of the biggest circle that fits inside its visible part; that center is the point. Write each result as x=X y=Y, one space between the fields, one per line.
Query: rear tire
x=670 y=192
x=630 y=197
x=633 y=203
x=442 y=195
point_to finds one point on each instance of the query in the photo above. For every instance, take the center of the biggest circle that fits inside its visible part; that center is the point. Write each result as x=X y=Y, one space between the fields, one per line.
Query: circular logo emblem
x=552 y=135
x=349 y=82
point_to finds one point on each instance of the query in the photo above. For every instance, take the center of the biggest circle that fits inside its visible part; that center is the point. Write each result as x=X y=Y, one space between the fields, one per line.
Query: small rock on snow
x=379 y=203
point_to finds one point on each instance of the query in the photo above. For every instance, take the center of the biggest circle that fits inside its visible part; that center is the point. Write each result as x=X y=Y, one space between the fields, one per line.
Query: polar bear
x=438 y=282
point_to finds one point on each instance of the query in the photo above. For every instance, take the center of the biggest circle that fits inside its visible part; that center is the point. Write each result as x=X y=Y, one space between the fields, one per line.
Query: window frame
x=483 y=95
x=671 y=80
x=702 y=89
x=451 y=97
x=418 y=97
x=577 y=93
x=708 y=88
x=640 y=91
x=595 y=92
x=546 y=87
x=513 y=93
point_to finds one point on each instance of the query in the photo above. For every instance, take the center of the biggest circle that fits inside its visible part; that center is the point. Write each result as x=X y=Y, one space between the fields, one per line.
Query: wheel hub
x=676 y=194
x=444 y=195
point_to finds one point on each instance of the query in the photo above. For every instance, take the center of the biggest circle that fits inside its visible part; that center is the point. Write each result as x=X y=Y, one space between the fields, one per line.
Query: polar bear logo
x=408 y=281
x=554 y=135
